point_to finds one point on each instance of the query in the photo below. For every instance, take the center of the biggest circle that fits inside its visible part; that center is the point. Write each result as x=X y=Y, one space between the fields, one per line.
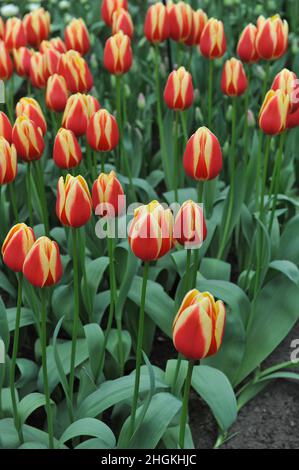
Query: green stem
x=42 y=194
x=247 y=96
x=258 y=169
x=85 y=281
x=90 y=169
x=29 y=193
x=265 y=172
x=103 y=155
x=12 y=193
x=210 y=93
x=275 y=179
x=15 y=348
x=175 y=158
x=45 y=369
x=139 y=350
x=184 y=126
x=184 y=412
x=176 y=373
x=76 y=312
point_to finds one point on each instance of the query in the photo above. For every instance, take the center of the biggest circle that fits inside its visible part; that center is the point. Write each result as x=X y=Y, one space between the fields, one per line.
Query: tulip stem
x=89 y=162
x=15 y=348
x=76 y=312
x=184 y=126
x=139 y=349
x=275 y=179
x=42 y=193
x=12 y=194
x=175 y=157
x=29 y=193
x=103 y=162
x=264 y=180
x=45 y=369
x=176 y=373
x=247 y=96
x=184 y=412
x=210 y=92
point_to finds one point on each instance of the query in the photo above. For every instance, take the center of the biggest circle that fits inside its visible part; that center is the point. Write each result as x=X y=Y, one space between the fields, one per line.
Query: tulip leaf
x=90 y=427
x=30 y=403
x=27 y=317
x=288 y=248
x=288 y=268
x=211 y=268
x=9 y=437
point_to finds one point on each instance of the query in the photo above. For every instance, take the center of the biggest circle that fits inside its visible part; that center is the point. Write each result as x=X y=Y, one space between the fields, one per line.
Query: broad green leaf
x=94 y=271
x=288 y=248
x=6 y=285
x=27 y=317
x=9 y=436
x=212 y=268
x=90 y=427
x=95 y=342
x=30 y=403
x=28 y=372
x=288 y=268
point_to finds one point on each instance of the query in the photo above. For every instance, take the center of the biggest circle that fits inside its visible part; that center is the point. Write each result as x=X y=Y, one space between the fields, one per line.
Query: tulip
x=287 y=82
x=15 y=34
x=42 y=266
x=76 y=36
x=5 y=127
x=118 y=54
x=203 y=156
x=6 y=67
x=56 y=93
x=246 y=48
x=150 y=234
x=16 y=245
x=38 y=70
x=122 y=21
x=179 y=92
x=8 y=162
x=79 y=108
x=180 y=21
x=92 y=105
x=30 y=108
x=156 y=26
x=272 y=37
x=199 y=325
x=67 y=152
x=58 y=44
x=37 y=25
x=190 y=228
x=108 y=195
x=75 y=71
x=274 y=111
x=293 y=119
x=213 y=41
x=74 y=205
x=200 y=19
x=28 y=139
x=2 y=28
x=234 y=80
x=21 y=58
x=52 y=59
x=102 y=131
x=109 y=7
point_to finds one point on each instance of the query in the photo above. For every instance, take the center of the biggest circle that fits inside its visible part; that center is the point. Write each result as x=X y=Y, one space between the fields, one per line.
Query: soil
x=270 y=421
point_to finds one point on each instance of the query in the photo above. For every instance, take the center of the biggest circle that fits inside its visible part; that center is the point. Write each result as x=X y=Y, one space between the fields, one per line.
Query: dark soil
x=270 y=421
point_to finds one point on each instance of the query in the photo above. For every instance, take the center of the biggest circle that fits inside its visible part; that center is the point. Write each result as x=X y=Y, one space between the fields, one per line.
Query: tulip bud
x=21 y=58
x=156 y=26
x=76 y=36
x=28 y=139
x=75 y=71
x=6 y=67
x=179 y=92
x=272 y=37
x=246 y=48
x=37 y=25
x=203 y=156
x=79 y=108
x=250 y=118
x=190 y=228
x=56 y=93
x=73 y=205
x=102 y=131
x=30 y=108
x=287 y=81
x=54 y=43
x=118 y=55
x=8 y=162
x=180 y=21
x=109 y=7
x=213 y=41
x=38 y=70
x=15 y=34
x=108 y=195
x=141 y=101
x=234 y=80
x=199 y=325
x=5 y=127
x=200 y=19
x=273 y=113
x=122 y=21
x=51 y=58
x=42 y=266
x=67 y=152
x=150 y=233
x=17 y=244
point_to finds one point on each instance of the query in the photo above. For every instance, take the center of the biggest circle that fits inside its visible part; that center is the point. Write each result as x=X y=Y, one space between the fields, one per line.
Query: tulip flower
x=37 y=25
x=102 y=131
x=67 y=152
x=28 y=139
x=38 y=70
x=51 y=59
x=234 y=80
x=246 y=48
x=180 y=21
x=42 y=266
x=2 y=28
x=5 y=127
x=56 y=93
x=287 y=82
x=274 y=111
x=190 y=228
x=122 y=21
x=200 y=19
x=8 y=162
x=6 y=67
x=16 y=246
x=79 y=108
x=203 y=156
x=73 y=205
x=109 y=7
x=150 y=234
x=76 y=36
x=30 y=108
x=21 y=59
x=272 y=37
x=179 y=92
x=156 y=26
x=55 y=43
x=108 y=195
x=75 y=71
x=118 y=55
x=15 y=34
x=213 y=41
x=293 y=119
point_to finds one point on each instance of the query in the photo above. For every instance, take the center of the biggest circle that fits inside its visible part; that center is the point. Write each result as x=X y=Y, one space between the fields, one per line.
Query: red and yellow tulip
x=30 y=108
x=76 y=72
x=37 y=25
x=190 y=228
x=200 y=19
x=213 y=41
x=122 y=21
x=108 y=195
x=179 y=91
x=234 y=81
x=76 y=36
x=274 y=111
x=246 y=48
x=67 y=152
x=102 y=131
x=73 y=205
x=180 y=21
x=79 y=108
x=6 y=66
x=28 y=139
x=8 y=162
x=15 y=34
x=21 y=59
x=118 y=55
x=38 y=71
x=156 y=26
x=5 y=127
x=272 y=37
x=56 y=93
x=16 y=246
x=109 y=7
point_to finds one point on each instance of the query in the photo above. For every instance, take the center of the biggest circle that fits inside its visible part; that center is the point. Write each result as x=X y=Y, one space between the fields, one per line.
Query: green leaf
x=4 y=327
x=212 y=268
x=90 y=427
x=27 y=317
x=94 y=271
x=95 y=343
x=6 y=285
x=288 y=248
x=288 y=268
x=30 y=403
x=9 y=437
x=28 y=372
